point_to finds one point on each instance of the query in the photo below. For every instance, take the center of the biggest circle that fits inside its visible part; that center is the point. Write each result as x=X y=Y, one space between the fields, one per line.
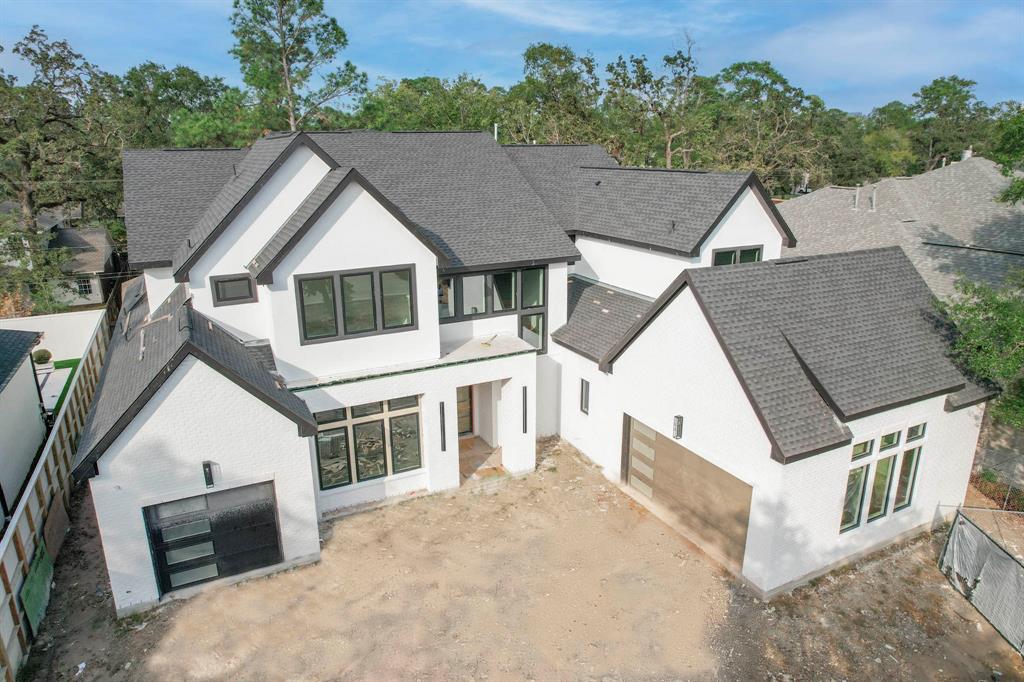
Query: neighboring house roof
x=45 y=220
x=947 y=220
x=146 y=346
x=15 y=345
x=461 y=190
x=599 y=316
x=166 y=192
x=306 y=215
x=90 y=248
x=819 y=341
x=553 y=172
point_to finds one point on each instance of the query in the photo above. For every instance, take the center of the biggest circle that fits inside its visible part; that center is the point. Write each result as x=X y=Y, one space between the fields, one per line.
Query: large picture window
x=880 y=488
x=368 y=441
x=371 y=302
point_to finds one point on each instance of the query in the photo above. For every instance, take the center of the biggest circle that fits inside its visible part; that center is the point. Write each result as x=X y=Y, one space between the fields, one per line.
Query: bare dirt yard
x=553 y=576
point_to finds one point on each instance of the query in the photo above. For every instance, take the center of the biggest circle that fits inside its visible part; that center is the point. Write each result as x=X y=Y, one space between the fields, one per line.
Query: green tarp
x=35 y=591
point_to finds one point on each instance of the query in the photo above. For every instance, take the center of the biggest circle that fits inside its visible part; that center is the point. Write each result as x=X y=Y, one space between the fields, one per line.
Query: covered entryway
x=202 y=538
x=479 y=448
x=711 y=503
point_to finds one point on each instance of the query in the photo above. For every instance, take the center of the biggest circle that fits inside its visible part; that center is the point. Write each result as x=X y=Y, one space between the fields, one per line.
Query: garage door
x=202 y=538
x=711 y=503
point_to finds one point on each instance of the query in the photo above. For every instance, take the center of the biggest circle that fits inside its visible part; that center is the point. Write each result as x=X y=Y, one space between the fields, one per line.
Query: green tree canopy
x=1009 y=152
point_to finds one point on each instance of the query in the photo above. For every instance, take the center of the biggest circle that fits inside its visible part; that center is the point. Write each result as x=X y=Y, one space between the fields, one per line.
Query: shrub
x=42 y=356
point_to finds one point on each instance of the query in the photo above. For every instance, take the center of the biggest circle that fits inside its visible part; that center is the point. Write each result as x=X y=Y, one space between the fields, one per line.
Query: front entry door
x=464 y=400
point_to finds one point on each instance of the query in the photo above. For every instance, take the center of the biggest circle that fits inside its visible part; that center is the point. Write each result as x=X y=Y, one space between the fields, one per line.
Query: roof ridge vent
x=788 y=261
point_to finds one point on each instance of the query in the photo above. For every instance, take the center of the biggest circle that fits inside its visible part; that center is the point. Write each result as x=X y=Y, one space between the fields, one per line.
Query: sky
x=855 y=55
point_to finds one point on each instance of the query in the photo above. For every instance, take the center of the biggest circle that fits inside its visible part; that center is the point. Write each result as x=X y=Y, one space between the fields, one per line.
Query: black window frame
x=383 y=424
x=870 y=451
x=895 y=444
x=584 y=396
x=856 y=523
x=736 y=252
x=543 y=314
x=924 y=432
x=918 y=450
x=348 y=457
x=390 y=453
x=489 y=311
x=215 y=280
x=888 y=488
x=375 y=293
x=339 y=308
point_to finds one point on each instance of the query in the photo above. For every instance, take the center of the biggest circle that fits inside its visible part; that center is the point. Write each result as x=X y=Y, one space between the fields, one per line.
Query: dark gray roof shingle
x=553 y=172
x=671 y=209
x=90 y=248
x=822 y=340
x=146 y=346
x=599 y=316
x=15 y=345
x=936 y=217
x=166 y=192
x=462 y=190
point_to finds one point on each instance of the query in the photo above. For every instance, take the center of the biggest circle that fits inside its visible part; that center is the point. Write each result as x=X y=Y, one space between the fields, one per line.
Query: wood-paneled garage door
x=712 y=503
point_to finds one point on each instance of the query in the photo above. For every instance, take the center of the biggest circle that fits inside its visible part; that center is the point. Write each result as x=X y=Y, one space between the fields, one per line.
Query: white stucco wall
x=676 y=367
x=158 y=458
x=356 y=232
x=440 y=470
x=22 y=429
x=247 y=234
x=649 y=272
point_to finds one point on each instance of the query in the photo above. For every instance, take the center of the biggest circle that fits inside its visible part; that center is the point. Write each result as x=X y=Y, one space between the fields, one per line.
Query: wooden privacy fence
x=39 y=519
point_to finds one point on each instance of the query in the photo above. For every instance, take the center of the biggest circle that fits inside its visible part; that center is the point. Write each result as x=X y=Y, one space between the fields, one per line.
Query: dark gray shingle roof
x=823 y=340
x=166 y=192
x=461 y=189
x=671 y=209
x=553 y=172
x=90 y=248
x=144 y=349
x=599 y=316
x=934 y=216
x=15 y=345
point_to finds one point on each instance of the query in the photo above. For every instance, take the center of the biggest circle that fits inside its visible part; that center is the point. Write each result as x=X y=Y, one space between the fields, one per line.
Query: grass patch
x=64 y=364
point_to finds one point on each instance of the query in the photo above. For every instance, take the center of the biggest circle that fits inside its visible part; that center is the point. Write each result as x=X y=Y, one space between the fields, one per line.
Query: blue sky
x=856 y=55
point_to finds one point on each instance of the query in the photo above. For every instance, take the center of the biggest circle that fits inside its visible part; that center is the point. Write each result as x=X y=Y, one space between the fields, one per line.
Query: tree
x=31 y=274
x=283 y=47
x=231 y=121
x=768 y=125
x=1009 y=151
x=48 y=127
x=665 y=98
x=151 y=95
x=556 y=101
x=989 y=340
x=951 y=119
x=429 y=103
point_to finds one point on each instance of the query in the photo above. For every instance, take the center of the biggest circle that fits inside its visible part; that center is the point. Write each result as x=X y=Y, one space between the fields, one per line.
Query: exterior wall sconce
x=677 y=426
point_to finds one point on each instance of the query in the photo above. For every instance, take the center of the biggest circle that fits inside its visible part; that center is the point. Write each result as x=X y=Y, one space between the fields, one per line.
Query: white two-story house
x=327 y=320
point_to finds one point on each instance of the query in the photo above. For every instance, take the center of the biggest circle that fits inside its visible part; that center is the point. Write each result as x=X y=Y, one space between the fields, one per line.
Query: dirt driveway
x=557 y=575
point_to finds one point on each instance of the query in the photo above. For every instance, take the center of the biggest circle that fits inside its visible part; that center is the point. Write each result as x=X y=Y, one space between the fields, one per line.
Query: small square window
x=915 y=432
x=724 y=258
x=863 y=449
x=84 y=285
x=889 y=440
x=750 y=255
x=231 y=289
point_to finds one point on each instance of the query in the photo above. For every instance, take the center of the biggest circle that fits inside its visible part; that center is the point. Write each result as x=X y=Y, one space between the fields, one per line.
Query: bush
x=42 y=356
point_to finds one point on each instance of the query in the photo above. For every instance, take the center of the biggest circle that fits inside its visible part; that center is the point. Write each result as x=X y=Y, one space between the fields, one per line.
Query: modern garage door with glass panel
x=212 y=536
x=710 y=502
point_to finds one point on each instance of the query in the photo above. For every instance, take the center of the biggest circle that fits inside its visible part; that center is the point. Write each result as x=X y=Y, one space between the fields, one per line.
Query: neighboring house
x=326 y=320
x=947 y=220
x=91 y=263
x=22 y=426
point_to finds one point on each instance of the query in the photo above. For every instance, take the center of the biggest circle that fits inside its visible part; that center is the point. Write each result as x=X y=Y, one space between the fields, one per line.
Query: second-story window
x=344 y=304
x=232 y=289
x=750 y=254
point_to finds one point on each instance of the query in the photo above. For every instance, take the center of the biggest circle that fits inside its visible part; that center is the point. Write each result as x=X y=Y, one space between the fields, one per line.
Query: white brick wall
x=677 y=367
x=197 y=415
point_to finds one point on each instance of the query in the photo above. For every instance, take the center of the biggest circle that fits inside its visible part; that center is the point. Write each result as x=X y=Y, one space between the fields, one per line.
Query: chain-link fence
x=988 y=576
x=992 y=487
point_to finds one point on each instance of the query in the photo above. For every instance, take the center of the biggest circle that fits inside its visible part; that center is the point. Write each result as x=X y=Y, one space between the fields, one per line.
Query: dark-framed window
x=861 y=450
x=743 y=254
x=332 y=453
x=353 y=303
x=233 y=289
x=584 y=396
x=916 y=432
x=889 y=440
x=531 y=330
x=856 y=483
x=881 y=484
x=84 y=285
x=368 y=441
x=446 y=297
x=534 y=287
x=907 y=478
